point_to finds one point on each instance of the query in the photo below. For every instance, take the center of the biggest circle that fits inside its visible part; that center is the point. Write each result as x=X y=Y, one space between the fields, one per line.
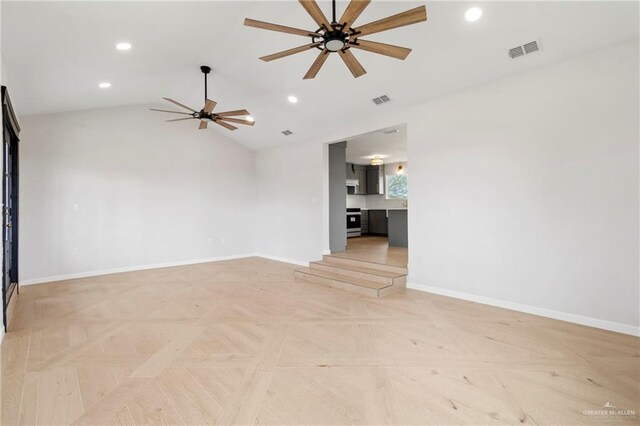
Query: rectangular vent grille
x=525 y=49
x=531 y=47
x=516 y=52
x=381 y=100
x=287 y=132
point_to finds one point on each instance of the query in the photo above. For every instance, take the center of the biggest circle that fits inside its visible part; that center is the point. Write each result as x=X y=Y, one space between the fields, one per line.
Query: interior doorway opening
x=368 y=203
x=376 y=194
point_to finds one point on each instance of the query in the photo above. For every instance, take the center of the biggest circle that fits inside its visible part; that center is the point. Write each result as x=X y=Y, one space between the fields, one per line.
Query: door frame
x=10 y=125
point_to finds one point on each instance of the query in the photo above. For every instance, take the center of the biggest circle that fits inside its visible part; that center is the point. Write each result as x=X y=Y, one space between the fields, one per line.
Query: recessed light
x=250 y=118
x=104 y=85
x=293 y=99
x=123 y=46
x=473 y=14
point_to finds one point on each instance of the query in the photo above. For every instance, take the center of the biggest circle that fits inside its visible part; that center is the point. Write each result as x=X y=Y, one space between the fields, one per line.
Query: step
x=348 y=283
x=384 y=277
x=338 y=260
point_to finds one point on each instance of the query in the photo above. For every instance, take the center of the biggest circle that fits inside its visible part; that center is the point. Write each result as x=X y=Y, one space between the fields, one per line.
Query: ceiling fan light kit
x=339 y=36
x=206 y=114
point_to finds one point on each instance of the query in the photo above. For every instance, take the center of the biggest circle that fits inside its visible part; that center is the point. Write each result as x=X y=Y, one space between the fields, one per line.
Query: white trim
x=326 y=252
x=1 y=333
x=283 y=259
x=543 y=312
x=130 y=269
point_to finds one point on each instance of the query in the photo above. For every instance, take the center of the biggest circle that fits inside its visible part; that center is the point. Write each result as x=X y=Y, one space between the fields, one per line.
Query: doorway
x=376 y=181
x=10 y=136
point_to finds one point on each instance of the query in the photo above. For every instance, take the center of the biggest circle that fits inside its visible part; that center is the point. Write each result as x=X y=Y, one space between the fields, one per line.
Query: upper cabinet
x=375 y=180
x=357 y=172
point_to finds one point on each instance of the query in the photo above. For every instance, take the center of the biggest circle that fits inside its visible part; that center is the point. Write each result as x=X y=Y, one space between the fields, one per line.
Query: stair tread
x=342 y=260
x=343 y=278
x=370 y=271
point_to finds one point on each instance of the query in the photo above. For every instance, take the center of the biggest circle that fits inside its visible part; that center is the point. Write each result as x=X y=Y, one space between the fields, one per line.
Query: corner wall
x=524 y=192
x=118 y=189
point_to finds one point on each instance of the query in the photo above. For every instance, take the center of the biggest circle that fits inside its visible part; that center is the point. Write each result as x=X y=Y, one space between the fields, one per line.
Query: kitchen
x=376 y=180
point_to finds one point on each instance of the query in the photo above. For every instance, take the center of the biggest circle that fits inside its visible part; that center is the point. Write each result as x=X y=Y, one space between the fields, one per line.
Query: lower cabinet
x=364 y=222
x=377 y=222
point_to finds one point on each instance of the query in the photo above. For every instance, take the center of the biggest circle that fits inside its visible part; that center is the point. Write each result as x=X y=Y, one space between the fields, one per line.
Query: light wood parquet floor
x=242 y=342
x=374 y=249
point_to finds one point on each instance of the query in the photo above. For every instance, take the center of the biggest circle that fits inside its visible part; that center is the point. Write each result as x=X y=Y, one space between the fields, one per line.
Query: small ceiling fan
x=340 y=35
x=206 y=114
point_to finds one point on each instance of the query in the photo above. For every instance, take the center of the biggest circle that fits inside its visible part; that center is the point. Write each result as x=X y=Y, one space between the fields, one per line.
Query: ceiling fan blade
x=352 y=12
x=203 y=125
x=289 y=52
x=238 y=120
x=179 y=104
x=314 y=10
x=409 y=17
x=209 y=106
x=223 y=124
x=352 y=63
x=382 y=48
x=180 y=119
x=236 y=112
x=317 y=64
x=166 y=110
x=275 y=27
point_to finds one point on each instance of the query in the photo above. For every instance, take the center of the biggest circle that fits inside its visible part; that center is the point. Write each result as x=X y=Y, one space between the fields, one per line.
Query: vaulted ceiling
x=56 y=53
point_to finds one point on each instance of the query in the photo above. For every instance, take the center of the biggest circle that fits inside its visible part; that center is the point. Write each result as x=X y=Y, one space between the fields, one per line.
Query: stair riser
x=337 y=284
x=363 y=264
x=399 y=284
x=338 y=270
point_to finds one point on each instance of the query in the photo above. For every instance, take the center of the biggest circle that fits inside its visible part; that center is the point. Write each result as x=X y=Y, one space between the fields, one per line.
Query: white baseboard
x=283 y=259
x=543 y=312
x=130 y=269
x=1 y=333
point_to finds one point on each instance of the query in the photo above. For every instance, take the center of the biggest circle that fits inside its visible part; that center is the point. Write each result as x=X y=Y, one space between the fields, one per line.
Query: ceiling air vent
x=525 y=49
x=287 y=132
x=381 y=100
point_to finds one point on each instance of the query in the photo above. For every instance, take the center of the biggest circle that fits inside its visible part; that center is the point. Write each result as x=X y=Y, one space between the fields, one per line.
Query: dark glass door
x=10 y=133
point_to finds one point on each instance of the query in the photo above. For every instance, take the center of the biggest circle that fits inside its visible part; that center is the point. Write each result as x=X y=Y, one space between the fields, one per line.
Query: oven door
x=353 y=222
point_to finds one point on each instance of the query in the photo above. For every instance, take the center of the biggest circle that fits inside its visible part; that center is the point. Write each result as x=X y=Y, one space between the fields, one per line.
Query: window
x=397 y=186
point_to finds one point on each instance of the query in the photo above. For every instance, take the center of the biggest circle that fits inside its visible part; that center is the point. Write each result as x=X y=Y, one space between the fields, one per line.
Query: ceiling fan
x=340 y=35
x=206 y=114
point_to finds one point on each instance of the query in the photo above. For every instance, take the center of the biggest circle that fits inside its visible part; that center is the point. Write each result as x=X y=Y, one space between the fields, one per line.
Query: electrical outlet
x=74 y=251
x=222 y=241
x=210 y=240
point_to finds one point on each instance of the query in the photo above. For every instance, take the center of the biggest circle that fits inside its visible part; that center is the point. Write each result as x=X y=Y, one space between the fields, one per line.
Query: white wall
x=290 y=194
x=120 y=188
x=523 y=192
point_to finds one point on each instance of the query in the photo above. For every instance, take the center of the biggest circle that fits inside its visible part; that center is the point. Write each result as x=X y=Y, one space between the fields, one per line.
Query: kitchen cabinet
x=351 y=171
x=364 y=221
x=398 y=230
x=361 y=175
x=377 y=222
x=375 y=180
x=357 y=172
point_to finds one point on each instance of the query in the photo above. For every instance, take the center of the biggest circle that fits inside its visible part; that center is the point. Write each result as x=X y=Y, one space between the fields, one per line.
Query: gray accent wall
x=337 y=197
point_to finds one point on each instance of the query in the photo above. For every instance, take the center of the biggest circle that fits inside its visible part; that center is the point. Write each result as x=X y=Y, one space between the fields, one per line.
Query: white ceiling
x=391 y=147
x=55 y=53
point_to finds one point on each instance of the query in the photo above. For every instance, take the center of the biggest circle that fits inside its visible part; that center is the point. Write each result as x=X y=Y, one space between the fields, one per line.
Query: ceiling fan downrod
x=205 y=70
x=333 y=4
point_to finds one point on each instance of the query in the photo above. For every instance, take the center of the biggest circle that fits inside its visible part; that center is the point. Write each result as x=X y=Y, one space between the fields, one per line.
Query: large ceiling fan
x=340 y=35
x=206 y=114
